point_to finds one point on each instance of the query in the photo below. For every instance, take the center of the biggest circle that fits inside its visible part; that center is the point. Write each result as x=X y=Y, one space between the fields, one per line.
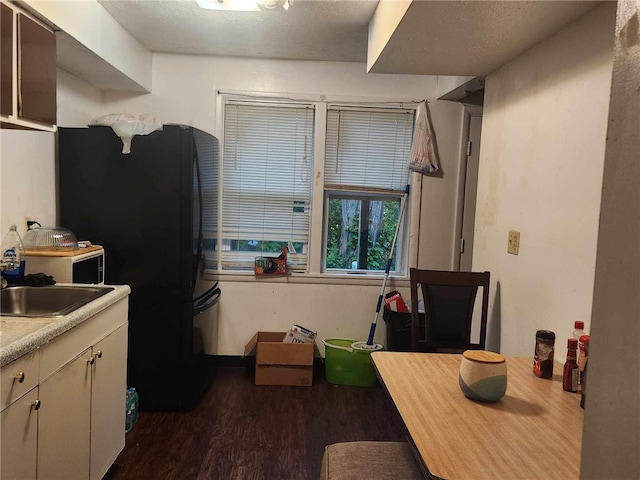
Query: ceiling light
x=271 y=4
x=243 y=5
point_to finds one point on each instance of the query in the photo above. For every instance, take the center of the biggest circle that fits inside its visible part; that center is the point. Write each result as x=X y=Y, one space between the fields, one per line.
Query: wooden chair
x=449 y=299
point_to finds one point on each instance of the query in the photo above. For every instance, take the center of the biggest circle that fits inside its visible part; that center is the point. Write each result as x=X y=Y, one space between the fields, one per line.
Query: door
x=36 y=71
x=19 y=438
x=470 y=189
x=205 y=204
x=6 y=60
x=108 y=401
x=63 y=424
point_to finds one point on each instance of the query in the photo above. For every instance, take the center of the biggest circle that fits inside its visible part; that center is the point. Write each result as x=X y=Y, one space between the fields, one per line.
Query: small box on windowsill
x=271 y=265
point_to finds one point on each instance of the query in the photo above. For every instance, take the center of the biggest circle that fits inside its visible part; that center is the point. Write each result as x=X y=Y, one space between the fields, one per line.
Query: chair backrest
x=449 y=299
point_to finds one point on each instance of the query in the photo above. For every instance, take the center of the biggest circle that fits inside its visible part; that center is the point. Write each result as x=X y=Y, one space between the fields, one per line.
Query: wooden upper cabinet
x=36 y=71
x=6 y=60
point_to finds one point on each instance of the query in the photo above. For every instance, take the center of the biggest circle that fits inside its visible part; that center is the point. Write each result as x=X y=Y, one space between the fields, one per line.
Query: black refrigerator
x=146 y=209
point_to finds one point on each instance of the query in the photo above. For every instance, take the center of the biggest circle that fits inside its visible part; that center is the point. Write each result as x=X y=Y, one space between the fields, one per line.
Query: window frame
x=400 y=247
x=315 y=272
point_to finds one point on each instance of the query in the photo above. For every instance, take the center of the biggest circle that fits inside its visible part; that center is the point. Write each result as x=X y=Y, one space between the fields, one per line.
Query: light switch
x=513 y=247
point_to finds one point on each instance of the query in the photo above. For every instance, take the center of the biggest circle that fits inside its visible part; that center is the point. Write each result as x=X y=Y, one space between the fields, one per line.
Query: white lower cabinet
x=108 y=401
x=71 y=425
x=19 y=438
x=64 y=423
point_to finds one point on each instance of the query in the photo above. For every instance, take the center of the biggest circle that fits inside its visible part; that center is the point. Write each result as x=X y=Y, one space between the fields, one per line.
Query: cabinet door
x=108 y=401
x=36 y=71
x=6 y=60
x=64 y=416
x=19 y=438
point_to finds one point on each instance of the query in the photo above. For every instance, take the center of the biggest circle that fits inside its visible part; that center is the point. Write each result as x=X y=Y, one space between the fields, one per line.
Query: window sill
x=320 y=279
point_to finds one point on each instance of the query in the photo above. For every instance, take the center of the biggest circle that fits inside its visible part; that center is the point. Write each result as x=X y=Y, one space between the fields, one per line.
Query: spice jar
x=543 y=354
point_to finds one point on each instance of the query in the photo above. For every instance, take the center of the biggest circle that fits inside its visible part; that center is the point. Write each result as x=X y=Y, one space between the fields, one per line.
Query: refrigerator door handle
x=206 y=301
x=200 y=298
x=196 y=267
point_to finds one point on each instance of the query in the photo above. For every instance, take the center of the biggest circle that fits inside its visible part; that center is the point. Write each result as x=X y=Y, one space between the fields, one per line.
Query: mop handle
x=372 y=329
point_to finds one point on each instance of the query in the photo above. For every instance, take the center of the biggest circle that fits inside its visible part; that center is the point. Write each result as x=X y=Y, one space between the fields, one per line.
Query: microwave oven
x=67 y=267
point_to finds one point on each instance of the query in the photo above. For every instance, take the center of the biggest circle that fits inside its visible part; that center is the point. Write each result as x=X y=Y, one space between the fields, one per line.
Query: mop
x=423 y=159
x=369 y=345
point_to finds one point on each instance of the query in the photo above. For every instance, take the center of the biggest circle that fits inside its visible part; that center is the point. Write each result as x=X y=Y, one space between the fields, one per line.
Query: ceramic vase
x=483 y=375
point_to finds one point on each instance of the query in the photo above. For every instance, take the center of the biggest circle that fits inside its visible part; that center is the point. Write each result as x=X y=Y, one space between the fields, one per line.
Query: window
x=269 y=199
x=266 y=187
x=366 y=175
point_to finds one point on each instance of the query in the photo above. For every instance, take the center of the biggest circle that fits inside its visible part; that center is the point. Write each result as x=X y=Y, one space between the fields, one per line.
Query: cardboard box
x=271 y=265
x=279 y=363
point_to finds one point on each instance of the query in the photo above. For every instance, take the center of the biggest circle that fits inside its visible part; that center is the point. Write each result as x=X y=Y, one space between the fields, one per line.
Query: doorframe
x=468 y=112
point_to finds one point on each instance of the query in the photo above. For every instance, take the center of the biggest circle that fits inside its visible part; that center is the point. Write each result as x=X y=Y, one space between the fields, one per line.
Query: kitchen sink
x=51 y=301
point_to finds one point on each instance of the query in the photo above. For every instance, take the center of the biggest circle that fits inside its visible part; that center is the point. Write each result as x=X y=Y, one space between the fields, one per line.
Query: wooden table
x=533 y=432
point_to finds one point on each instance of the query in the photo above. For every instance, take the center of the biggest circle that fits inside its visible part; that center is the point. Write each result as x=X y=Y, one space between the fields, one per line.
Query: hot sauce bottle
x=570 y=371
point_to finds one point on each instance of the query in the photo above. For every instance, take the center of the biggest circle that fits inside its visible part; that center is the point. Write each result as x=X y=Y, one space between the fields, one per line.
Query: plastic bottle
x=578 y=329
x=570 y=371
x=583 y=356
x=13 y=257
x=583 y=387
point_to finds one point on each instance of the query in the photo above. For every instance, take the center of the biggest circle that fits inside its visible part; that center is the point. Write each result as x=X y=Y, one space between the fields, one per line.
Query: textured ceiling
x=309 y=30
x=452 y=37
x=472 y=37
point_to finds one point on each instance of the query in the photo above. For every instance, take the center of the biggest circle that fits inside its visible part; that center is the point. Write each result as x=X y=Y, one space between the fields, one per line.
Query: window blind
x=267 y=170
x=368 y=147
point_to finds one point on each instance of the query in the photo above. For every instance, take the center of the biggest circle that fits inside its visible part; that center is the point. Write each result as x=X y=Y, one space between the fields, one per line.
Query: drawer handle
x=19 y=377
x=99 y=354
x=91 y=360
x=36 y=405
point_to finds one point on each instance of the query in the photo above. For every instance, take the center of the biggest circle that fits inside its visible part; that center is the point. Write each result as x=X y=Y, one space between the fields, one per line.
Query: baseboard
x=233 y=361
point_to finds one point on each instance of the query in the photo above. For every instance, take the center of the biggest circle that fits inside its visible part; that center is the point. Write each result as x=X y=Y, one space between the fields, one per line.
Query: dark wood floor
x=241 y=431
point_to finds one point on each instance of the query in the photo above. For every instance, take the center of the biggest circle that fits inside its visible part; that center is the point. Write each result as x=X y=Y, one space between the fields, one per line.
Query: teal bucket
x=346 y=364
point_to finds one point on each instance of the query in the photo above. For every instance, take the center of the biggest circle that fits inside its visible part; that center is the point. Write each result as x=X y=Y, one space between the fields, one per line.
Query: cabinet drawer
x=67 y=346
x=18 y=377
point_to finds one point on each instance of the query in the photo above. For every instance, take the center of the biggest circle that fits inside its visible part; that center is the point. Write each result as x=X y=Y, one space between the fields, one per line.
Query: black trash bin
x=399 y=330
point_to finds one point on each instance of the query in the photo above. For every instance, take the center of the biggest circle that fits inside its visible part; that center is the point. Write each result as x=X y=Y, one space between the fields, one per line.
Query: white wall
x=184 y=86
x=27 y=177
x=386 y=19
x=28 y=173
x=184 y=92
x=541 y=164
x=611 y=439
x=77 y=100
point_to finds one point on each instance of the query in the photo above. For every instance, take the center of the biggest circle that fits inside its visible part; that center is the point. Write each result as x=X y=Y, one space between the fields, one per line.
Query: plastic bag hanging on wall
x=423 y=154
x=126 y=126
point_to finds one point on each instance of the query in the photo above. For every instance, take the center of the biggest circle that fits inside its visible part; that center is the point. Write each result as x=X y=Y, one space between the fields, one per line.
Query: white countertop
x=21 y=335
